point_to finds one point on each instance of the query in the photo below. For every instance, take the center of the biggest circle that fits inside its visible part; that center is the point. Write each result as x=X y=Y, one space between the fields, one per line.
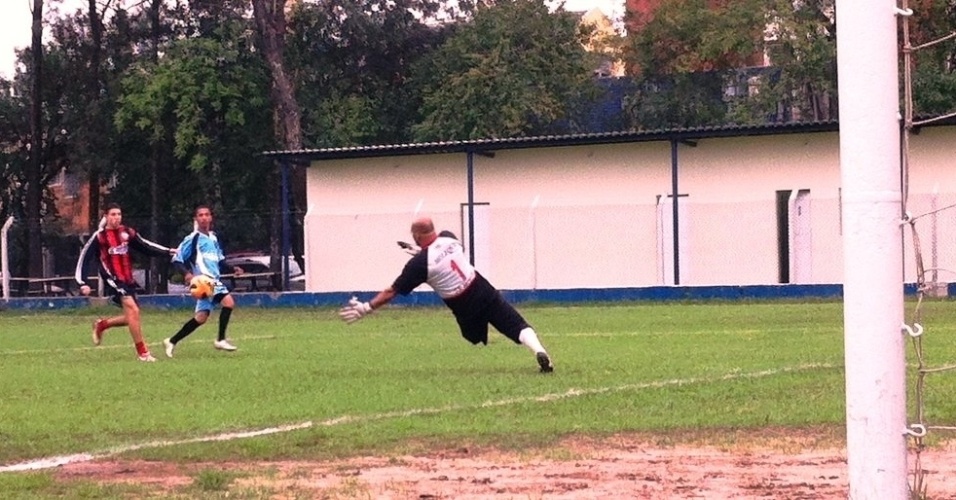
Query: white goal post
x=868 y=75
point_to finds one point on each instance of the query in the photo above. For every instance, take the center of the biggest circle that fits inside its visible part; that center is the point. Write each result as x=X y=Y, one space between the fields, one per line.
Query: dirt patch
x=573 y=471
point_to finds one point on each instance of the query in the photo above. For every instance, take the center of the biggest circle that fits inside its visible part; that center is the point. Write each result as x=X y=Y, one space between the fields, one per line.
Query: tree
x=87 y=114
x=287 y=126
x=697 y=62
x=802 y=51
x=353 y=65
x=687 y=36
x=934 y=67
x=33 y=186
x=681 y=55
x=202 y=94
x=95 y=141
x=516 y=69
x=14 y=162
x=678 y=100
x=270 y=21
x=21 y=151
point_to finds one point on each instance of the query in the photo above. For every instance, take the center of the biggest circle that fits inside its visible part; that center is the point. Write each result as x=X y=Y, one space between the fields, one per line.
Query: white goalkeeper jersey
x=443 y=265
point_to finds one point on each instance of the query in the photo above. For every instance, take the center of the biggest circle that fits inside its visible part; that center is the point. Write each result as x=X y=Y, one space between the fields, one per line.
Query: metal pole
x=534 y=242
x=934 y=257
x=286 y=240
x=5 y=257
x=675 y=217
x=471 y=207
x=867 y=64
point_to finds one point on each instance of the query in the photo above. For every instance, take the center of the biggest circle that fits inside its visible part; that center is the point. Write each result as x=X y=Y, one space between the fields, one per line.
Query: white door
x=665 y=241
x=800 y=236
x=481 y=249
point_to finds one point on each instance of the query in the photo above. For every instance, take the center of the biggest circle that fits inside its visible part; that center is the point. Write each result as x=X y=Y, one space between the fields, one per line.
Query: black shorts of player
x=482 y=304
x=120 y=289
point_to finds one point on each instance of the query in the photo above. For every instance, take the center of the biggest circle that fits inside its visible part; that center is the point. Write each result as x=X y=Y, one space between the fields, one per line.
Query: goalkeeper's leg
x=507 y=320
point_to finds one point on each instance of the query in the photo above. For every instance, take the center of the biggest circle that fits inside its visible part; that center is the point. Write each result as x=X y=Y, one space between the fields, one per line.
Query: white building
x=757 y=205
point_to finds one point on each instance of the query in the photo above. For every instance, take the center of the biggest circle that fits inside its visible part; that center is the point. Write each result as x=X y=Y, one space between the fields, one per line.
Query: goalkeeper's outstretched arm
x=356 y=309
x=382 y=298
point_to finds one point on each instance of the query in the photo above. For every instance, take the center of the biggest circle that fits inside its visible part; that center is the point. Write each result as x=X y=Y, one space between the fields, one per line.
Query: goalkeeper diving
x=439 y=261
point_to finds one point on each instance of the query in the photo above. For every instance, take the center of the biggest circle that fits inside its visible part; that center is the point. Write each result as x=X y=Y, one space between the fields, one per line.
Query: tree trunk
x=93 y=172
x=34 y=190
x=156 y=284
x=270 y=21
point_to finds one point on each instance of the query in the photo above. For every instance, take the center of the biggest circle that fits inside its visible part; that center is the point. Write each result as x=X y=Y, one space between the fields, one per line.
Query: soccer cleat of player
x=224 y=345
x=170 y=347
x=99 y=326
x=544 y=362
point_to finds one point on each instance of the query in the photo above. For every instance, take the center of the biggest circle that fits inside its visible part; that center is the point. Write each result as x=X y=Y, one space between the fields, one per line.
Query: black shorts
x=119 y=289
x=482 y=304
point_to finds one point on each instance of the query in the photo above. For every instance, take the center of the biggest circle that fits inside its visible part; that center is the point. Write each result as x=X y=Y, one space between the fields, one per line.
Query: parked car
x=251 y=263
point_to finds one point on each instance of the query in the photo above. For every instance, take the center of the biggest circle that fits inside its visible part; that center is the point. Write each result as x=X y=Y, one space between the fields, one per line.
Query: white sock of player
x=528 y=338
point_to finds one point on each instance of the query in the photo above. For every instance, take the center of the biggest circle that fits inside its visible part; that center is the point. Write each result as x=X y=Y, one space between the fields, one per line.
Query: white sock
x=529 y=339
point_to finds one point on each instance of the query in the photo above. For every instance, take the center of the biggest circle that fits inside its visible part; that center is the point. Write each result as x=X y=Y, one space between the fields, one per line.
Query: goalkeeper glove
x=355 y=311
x=409 y=248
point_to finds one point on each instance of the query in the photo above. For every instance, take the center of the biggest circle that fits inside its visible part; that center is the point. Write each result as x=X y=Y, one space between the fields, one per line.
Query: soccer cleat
x=147 y=357
x=224 y=345
x=99 y=326
x=544 y=362
x=169 y=347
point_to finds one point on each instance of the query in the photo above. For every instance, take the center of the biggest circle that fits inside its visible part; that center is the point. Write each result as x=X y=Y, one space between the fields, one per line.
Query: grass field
x=403 y=379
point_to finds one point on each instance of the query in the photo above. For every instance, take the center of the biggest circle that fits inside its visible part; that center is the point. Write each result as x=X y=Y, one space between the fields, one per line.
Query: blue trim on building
x=666 y=293
x=428 y=298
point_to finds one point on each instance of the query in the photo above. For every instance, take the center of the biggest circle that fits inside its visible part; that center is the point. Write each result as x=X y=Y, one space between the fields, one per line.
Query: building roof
x=491 y=145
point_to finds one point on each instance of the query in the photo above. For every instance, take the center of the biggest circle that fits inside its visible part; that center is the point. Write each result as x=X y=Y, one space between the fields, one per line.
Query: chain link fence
x=794 y=238
x=244 y=236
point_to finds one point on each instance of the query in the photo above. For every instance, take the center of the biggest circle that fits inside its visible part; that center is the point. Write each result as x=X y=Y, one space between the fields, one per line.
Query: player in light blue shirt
x=200 y=253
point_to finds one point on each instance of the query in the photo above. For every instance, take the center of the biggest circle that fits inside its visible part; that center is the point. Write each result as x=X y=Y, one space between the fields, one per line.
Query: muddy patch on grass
x=576 y=469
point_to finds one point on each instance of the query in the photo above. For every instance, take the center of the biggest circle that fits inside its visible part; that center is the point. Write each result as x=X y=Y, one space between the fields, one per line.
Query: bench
x=55 y=286
x=251 y=282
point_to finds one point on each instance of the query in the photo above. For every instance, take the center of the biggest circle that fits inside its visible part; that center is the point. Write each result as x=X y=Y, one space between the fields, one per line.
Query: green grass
x=403 y=379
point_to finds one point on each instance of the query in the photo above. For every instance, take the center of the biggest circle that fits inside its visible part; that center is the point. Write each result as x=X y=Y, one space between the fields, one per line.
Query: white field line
x=46 y=463
x=649 y=333
x=116 y=346
x=265 y=337
x=640 y=333
x=50 y=462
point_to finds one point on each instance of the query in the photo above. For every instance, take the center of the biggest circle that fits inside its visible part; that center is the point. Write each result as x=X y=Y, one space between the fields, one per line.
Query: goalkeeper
x=200 y=253
x=472 y=299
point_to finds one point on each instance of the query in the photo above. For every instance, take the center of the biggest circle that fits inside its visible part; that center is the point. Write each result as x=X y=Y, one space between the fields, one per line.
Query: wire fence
x=793 y=237
x=244 y=236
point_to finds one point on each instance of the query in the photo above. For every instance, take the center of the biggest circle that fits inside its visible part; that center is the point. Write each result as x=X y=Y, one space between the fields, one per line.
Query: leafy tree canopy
x=515 y=70
x=200 y=90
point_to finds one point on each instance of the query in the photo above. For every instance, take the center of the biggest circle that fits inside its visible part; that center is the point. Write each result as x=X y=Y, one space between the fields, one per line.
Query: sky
x=16 y=17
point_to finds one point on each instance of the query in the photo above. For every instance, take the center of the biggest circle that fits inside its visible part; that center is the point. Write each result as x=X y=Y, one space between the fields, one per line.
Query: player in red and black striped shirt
x=110 y=245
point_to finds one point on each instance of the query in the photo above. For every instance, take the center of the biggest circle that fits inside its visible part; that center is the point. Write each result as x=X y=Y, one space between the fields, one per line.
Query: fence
x=795 y=237
x=790 y=237
x=243 y=235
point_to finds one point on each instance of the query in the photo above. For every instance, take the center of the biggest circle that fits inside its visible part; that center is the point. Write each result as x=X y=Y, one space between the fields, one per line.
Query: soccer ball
x=201 y=287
